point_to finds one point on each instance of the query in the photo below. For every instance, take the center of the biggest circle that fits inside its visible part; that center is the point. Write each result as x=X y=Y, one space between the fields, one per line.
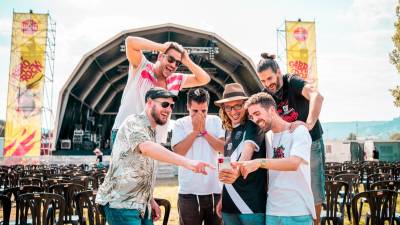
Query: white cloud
x=352 y=45
x=5 y=26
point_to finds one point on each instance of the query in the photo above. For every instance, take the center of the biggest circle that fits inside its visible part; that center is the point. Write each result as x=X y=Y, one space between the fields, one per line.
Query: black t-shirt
x=292 y=105
x=251 y=190
x=100 y=158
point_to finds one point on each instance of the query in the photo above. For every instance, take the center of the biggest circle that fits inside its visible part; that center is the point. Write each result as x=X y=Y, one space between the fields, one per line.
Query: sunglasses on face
x=171 y=59
x=235 y=107
x=166 y=104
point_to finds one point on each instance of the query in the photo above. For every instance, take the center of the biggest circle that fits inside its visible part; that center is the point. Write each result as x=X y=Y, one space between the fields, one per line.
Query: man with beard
x=126 y=193
x=290 y=199
x=298 y=103
x=143 y=75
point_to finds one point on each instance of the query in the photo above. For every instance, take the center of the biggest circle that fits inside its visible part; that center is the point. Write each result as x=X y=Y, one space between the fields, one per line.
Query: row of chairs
x=50 y=208
x=381 y=200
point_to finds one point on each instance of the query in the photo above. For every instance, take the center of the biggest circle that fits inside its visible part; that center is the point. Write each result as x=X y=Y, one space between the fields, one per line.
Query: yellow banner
x=301 y=53
x=25 y=86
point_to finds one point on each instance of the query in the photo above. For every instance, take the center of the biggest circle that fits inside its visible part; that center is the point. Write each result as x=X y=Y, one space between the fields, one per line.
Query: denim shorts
x=289 y=220
x=243 y=219
x=317 y=161
x=125 y=216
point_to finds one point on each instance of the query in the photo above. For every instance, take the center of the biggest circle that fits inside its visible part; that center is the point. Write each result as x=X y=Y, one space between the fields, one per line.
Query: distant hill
x=365 y=129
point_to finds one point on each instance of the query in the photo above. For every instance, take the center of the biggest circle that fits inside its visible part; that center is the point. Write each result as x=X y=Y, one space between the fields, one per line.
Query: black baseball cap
x=158 y=92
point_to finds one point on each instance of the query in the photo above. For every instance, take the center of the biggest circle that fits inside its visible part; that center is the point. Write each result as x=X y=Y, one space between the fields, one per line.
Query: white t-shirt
x=140 y=80
x=289 y=192
x=189 y=182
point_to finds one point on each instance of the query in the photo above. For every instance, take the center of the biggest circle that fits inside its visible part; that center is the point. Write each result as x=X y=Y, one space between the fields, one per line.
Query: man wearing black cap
x=126 y=193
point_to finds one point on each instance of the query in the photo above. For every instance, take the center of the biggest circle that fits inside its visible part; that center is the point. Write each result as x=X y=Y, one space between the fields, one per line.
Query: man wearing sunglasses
x=126 y=193
x=144 y=74
x=199 y=137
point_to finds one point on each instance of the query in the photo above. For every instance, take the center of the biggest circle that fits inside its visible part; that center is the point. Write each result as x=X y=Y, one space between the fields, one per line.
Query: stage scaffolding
x=48 y=92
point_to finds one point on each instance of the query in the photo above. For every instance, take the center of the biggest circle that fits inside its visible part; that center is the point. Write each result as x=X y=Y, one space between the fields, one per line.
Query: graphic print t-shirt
x=140 y=80
x=251 y=189
x=292 y=105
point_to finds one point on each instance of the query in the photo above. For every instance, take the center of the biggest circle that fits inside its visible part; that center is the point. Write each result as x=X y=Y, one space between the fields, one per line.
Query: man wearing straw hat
x=243 y=201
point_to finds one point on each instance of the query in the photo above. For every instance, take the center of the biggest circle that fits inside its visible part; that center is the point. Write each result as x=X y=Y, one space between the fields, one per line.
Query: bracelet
x=263 y=163
x=202 y=133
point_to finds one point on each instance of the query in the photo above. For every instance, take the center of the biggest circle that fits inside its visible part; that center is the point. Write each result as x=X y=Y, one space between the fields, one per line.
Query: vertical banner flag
x=25 y=85
x=301 y=50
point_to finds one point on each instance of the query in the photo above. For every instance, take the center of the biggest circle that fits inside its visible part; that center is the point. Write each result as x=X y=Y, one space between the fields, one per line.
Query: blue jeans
x=289 y=220
x=125 y=217
x=243 y=219
x=317 y=167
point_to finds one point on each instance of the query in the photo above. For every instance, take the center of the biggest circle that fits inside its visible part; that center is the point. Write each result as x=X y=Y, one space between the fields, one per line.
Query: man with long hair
x=243 y=201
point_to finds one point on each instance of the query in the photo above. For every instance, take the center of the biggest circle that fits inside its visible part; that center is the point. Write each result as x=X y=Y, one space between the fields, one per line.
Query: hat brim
x=174 y=97
x=231 y=99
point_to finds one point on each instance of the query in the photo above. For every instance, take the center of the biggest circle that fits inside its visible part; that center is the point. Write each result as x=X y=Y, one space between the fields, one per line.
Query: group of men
x=270 y=142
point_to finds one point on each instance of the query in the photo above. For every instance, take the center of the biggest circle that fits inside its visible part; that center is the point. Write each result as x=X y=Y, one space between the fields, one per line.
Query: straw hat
x=232 y=92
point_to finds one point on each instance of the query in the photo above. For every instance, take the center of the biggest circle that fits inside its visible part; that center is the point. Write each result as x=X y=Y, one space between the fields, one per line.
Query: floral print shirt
x=130 y=180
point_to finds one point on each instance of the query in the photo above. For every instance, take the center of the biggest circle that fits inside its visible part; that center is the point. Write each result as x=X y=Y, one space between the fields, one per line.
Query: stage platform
x=79 y=152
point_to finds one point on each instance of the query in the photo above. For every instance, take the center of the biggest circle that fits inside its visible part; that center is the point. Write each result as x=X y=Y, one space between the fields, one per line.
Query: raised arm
x=199 y=77
x=316 y=99
x=135 y=46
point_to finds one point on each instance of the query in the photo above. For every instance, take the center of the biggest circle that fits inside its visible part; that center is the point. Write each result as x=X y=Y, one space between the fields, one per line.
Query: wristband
x=204 y=133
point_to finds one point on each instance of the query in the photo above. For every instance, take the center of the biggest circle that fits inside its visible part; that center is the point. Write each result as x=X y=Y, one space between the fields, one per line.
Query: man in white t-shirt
x=143 y=75
x=290 y=199
x=198 y=136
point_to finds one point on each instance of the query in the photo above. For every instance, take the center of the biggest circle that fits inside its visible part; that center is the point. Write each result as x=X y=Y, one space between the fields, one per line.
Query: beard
x=156 y=117
x=278 y=87
x=264 y=125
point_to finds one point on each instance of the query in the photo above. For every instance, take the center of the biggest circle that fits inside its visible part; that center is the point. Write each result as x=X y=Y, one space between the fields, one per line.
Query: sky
x=353 y=40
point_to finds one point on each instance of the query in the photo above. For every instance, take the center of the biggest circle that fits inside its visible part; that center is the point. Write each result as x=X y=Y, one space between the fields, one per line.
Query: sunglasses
x=171 y=59
x=235 y=107
x=166 y=104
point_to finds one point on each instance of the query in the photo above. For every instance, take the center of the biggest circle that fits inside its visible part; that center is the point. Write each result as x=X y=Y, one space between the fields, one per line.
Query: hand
x=198 y=122
x=155 y=210
x=229 y=176
x=247 y=167
x=219 y=208
x=297 y=123
x=185 y=57
x=197 y=166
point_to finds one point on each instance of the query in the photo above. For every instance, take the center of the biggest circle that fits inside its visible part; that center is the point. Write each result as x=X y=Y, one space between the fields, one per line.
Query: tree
x=352 y=136
x=395 y=137
x=395 y=56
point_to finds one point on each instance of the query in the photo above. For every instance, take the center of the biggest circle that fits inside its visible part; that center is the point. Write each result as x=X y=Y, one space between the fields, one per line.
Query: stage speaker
x=66 y=144
x=87 y=145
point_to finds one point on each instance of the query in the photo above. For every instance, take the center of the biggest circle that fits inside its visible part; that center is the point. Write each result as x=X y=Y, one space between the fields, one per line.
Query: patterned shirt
x=140 y=80
x=130 y=180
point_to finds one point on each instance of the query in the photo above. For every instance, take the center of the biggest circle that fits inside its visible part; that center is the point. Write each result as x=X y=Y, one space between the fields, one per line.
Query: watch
x=263 y=163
